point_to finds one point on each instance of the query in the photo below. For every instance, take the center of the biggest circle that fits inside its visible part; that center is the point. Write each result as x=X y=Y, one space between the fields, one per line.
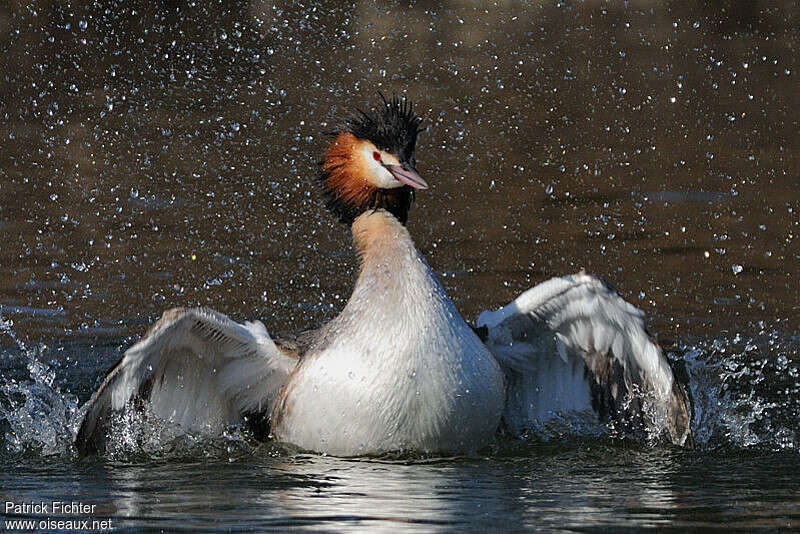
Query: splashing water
x=37 y=416
x=745 y=394
x=6 y=327
x=38 y=419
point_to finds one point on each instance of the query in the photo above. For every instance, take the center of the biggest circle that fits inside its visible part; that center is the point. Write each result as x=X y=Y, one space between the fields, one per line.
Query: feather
x=197 y=369
x=573 y=345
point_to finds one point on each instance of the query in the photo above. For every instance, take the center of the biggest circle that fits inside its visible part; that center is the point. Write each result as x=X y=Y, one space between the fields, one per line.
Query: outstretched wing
x=197 y=369
x=572 y=345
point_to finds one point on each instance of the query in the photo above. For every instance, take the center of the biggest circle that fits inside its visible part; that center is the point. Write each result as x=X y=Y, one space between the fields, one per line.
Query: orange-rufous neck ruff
x=346 y=176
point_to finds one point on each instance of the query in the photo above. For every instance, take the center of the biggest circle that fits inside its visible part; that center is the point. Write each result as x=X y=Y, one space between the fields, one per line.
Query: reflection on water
x=160 y=154
x=574 y=487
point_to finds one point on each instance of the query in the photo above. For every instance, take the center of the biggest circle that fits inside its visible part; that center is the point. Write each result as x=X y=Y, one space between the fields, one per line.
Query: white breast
x=399 y=369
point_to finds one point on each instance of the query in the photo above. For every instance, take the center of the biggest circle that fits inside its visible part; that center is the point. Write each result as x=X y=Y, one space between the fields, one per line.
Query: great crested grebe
x=398 y=369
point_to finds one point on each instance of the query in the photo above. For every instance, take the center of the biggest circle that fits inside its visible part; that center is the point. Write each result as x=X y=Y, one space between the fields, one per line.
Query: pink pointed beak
x=407 y=176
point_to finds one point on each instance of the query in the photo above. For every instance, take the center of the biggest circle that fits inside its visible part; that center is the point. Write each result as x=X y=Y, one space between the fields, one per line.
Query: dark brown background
x=156 y=154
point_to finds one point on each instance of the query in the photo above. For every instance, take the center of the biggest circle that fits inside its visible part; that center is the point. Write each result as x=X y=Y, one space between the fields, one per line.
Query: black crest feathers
x=392 y=127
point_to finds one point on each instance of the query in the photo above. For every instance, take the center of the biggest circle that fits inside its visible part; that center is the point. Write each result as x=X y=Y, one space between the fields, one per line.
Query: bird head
x=370 y=163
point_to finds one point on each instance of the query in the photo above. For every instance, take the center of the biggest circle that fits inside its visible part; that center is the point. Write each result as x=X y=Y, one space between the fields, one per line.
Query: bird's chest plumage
x=399 y=369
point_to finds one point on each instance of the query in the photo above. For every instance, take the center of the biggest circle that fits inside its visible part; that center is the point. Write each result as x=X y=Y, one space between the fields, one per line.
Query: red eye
x=376 y=156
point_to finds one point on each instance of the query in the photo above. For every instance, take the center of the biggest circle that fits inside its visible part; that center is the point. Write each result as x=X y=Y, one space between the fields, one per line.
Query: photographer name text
x=50 y=507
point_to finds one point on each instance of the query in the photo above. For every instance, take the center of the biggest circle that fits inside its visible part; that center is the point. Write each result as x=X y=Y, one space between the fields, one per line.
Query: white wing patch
x=572 y=345
x=197 y=369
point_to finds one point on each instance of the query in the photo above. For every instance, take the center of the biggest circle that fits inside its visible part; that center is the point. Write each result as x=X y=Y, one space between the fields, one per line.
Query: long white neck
x=397 y=293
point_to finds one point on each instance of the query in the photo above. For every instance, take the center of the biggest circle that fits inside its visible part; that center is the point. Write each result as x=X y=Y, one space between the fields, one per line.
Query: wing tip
x=85 y=443
x=91 y=438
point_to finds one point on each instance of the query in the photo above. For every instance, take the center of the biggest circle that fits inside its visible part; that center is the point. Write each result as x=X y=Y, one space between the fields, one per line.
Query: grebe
x=398 y=369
